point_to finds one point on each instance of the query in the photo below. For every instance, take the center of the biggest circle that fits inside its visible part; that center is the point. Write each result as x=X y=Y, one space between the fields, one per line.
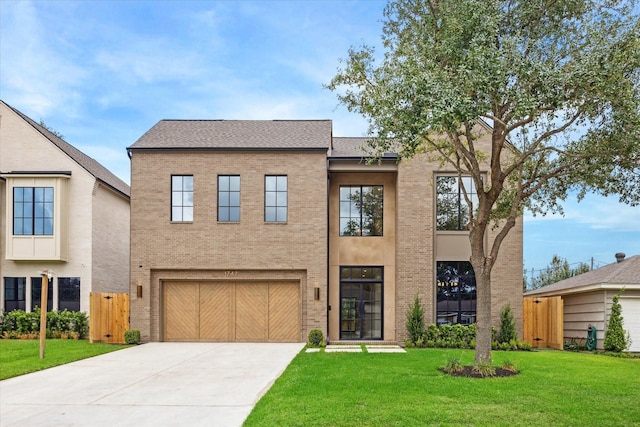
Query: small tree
x=415 y=320
x=507 y=325
x=614 y=337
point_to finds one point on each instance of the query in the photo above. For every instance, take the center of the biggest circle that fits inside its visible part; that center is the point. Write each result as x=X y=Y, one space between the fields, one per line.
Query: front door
x=361 y=303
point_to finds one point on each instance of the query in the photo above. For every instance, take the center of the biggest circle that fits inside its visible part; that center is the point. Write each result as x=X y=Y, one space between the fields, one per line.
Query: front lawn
x=373 y=389
x=18 y=357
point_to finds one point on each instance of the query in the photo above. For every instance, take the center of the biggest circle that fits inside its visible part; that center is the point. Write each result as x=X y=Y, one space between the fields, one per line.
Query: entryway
x=361 y=290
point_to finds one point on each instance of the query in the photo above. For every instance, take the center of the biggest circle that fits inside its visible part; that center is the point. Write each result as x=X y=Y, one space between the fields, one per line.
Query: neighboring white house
x=60 y=210
x=587 y=299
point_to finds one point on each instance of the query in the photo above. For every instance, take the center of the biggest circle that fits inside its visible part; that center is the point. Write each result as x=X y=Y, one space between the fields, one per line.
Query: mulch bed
x=467 y=371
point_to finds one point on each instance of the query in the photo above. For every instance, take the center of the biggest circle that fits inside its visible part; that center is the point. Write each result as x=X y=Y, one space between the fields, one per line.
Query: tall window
x=456 y=292
x=228 y=198
x=361 y=302
x=452 y=210
x=33 y=211
x=182 y=198
x=361 y=209
x=14 y=293
x=69 y=293
x=36 y=293
x=275 y=198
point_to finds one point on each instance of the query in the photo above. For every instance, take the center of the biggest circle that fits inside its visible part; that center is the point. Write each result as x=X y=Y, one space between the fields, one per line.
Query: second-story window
x=33 y=211
x=361 y=210
x=228 y=198
x=182 y=198
x=452 y=209
x=275 y=198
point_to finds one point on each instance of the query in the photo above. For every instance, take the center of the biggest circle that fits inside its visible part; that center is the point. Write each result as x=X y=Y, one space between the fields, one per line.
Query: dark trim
x=263 y=149
x=37 y=173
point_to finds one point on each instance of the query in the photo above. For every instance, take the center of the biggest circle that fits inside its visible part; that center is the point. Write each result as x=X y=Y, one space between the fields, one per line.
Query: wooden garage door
x=232 y=311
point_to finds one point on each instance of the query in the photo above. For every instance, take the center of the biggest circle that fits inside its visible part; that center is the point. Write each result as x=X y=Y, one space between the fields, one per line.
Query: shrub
x=132 y=336
x=453 y=365
x=316 y=338
x=615 y=338
x=507 y=325
x=18 y=323
x=415 y=320
x=507 y=365
x=484 y=369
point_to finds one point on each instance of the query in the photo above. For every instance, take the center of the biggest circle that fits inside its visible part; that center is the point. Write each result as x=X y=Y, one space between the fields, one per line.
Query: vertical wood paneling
x=543 y=322
x=108 y=317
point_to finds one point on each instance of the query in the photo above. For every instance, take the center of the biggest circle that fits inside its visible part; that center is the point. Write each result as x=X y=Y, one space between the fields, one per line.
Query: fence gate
x=108 y=317
x=543 y=322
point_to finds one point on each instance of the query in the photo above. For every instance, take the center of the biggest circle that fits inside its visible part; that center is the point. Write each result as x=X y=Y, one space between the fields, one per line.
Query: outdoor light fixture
x=139 y=291
x=316 y=294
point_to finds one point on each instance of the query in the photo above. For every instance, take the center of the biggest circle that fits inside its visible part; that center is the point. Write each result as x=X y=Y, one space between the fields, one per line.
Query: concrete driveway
x=154 y=384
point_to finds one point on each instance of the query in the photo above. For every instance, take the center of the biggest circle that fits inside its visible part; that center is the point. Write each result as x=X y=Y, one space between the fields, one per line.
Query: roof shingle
x=237 y=134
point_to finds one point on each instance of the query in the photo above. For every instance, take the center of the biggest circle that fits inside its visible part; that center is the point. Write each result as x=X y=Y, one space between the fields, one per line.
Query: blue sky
x=103 y=72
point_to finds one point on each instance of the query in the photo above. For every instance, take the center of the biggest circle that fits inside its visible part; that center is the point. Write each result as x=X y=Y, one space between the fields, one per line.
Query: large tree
x=557 y=80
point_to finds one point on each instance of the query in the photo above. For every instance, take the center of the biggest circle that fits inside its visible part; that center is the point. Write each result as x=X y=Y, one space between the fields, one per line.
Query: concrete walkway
x=154 y=384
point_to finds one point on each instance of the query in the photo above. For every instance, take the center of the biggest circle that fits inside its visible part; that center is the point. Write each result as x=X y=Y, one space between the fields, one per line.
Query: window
x=14 y=293
x=361 y=209
x=275 y=198
x=182 y=198
x=36 y=294
x=361 y=303
x=228 y=198
x=33 y=211
x=455 y=292
x=452 y=210
x=69 y=293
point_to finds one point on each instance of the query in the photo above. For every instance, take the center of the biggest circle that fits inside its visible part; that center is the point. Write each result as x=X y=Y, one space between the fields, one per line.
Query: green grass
x=19 y=357
x=365 y=389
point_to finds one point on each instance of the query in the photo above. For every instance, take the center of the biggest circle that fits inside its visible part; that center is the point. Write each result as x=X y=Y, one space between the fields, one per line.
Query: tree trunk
x=483 y=315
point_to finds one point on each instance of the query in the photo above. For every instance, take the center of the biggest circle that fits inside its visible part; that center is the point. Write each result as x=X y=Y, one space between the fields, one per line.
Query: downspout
x=328 y=248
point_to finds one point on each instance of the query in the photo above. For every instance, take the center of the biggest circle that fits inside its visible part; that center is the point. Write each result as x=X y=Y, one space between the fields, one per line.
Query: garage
x=232 y=311
x=631 y=315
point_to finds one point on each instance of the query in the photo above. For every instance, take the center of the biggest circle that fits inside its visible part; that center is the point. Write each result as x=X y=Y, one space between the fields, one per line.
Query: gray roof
x=237 y=135
x=91 y=165
x=626 y=272
x=349 y=147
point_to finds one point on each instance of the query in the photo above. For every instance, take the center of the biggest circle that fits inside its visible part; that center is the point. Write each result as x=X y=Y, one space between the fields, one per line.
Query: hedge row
x=60 y=324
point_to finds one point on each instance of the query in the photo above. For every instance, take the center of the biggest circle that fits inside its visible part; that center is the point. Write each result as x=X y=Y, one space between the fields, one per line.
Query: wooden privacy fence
x=543 y=322
x=108 y=317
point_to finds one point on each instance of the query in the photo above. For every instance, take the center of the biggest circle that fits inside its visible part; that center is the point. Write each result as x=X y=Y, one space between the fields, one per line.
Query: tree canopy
x=558 y=81
x=557 y=270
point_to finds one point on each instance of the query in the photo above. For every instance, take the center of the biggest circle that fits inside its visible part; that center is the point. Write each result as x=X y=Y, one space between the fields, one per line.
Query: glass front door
x=361 y=303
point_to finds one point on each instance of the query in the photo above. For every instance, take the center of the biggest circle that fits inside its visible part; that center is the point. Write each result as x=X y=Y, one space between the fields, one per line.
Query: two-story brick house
x=62 y=211
x=264 y=230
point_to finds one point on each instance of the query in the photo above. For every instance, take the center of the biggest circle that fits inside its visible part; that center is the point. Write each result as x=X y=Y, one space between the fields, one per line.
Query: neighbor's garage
x=232 y=311
x=631 y=315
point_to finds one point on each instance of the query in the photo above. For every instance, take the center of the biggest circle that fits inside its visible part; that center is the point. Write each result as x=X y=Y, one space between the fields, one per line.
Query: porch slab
x=343 y=349
x=385 y=349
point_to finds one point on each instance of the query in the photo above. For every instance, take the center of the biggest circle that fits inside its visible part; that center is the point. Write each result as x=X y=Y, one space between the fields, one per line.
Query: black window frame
x=36 y=295
x=18 y=287
x=361 y=275
x=227 y=204
x=456 y=216
x=273 y=201
x=69 y=286
x=181 y=204
x=360 y=224
x=456 y=293
x=33 y=216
